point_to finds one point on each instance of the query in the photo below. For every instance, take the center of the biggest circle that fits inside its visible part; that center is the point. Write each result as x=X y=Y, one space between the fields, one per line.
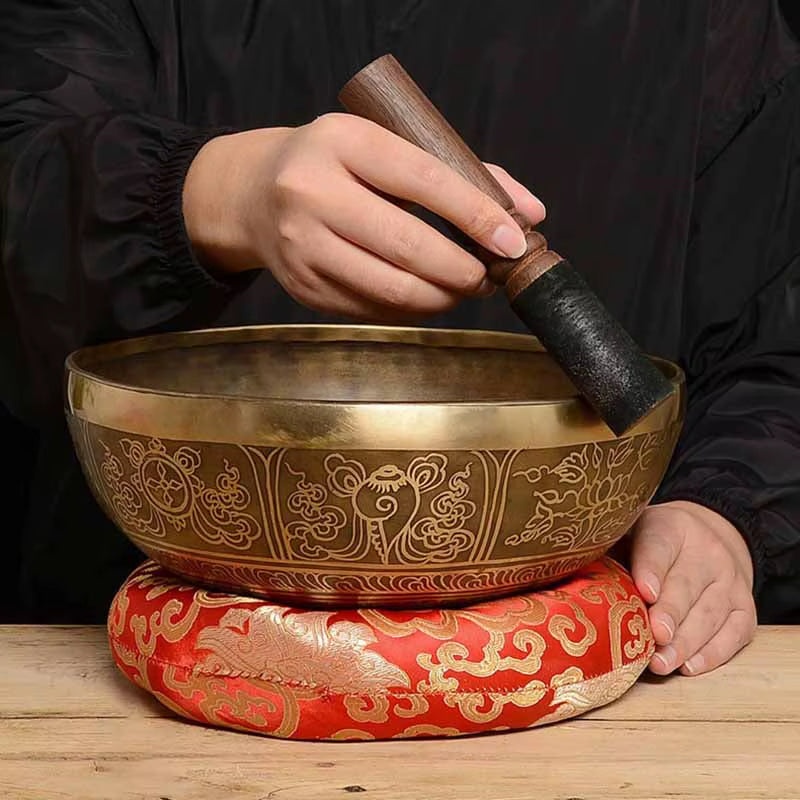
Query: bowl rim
x=359 y=424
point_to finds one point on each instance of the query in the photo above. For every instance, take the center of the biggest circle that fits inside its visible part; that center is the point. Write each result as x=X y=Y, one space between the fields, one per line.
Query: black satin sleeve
x=92 y=160
x=740 y=450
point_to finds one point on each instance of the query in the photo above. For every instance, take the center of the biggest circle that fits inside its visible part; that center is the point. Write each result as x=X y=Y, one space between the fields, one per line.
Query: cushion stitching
x=325 y=692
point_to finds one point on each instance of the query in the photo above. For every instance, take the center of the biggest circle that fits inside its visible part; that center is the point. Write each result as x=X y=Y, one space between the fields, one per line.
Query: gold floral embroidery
x=454 y=657
x=426 y=730
x=239 y=709
x=361 y=708
x=572 y=699
x=417 y=705
x=637 y=627
x=375 y=708
x=286 y=655
x=346 y=734
x=172 y=622
x=560 y=626
x=300 y=648
x=472 y=705
x=568 y=676
x=118 y=615
x=608 y=590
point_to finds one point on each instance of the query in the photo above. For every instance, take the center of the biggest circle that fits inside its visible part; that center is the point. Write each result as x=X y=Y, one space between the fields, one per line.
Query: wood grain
x=163 y=759
x=384 y=93
x=64 y=672
x=71 y=728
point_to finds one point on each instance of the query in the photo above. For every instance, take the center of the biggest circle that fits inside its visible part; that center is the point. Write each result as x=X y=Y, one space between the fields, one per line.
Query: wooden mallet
x=545 y=291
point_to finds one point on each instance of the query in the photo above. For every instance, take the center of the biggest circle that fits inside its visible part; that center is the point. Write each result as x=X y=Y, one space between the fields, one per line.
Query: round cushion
x=510 y=663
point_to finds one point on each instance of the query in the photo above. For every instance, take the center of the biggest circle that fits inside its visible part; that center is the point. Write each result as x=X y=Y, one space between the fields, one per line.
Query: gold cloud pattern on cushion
x=505 y=664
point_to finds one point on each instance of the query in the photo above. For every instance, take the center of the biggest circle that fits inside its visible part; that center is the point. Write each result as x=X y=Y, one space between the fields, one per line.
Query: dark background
x=19 y=443
x=791 y=10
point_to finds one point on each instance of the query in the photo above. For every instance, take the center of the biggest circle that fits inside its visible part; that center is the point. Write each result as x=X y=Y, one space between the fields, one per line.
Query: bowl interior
x=345 y=371
x=348 y=365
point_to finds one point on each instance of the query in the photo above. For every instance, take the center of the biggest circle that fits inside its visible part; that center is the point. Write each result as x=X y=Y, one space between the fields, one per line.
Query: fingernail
x=509 y=242
x=651 y=583
x=665 y=657
x=667 y=622
x=695 y=664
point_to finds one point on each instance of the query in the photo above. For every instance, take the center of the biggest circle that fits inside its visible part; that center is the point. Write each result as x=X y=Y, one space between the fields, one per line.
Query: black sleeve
x=740 y=450
x=93 y=154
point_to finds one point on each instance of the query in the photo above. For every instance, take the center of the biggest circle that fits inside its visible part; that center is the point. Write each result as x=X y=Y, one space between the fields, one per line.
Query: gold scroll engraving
x=370 y=527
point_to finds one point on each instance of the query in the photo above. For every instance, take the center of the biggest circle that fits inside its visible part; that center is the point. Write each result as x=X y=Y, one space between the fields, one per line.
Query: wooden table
x=71 y=727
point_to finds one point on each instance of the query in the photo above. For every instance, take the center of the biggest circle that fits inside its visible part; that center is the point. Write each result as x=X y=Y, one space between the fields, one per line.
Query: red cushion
x=513 y=663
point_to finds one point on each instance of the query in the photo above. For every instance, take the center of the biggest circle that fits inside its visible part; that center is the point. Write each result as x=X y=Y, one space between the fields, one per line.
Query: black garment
x=663 y=137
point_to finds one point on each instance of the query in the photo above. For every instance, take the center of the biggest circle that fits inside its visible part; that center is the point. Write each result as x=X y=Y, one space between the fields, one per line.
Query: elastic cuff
x=719 y=500
x=167 y=198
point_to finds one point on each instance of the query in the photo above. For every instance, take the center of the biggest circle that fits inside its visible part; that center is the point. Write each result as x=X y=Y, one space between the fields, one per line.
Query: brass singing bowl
x=359 y=465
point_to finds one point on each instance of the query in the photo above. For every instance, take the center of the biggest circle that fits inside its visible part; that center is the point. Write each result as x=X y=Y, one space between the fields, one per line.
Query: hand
x=694 y=567
x=310 y=203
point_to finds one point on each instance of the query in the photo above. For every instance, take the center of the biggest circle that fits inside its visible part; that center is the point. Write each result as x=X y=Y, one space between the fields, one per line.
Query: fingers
x=736 y=632
x=335 y=238
x=684 y=584
x=322 y=294
x=685 y=563
x=338 y=262
x=656 y=547
x=703 y=620
x=402 y=239
x=395 y=166
x=527 y=204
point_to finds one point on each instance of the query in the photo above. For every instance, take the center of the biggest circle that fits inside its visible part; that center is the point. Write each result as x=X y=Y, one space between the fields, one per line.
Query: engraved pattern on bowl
x=230 y=489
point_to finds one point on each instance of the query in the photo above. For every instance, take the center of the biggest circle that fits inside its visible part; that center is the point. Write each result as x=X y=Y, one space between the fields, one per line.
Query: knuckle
x=291 y=284
x=330 y=124
x=655 y=536
x=482 y=219
x=345 y=131
x=683 y=521
x=748 y=633
x=288 y=231
x=303 y=285
x=471 y=279
x=429 y=172
x=403 y=246
x=716 y=552
x=712 y=655
x=397 y=294
x=290 y=185
x=665 y=607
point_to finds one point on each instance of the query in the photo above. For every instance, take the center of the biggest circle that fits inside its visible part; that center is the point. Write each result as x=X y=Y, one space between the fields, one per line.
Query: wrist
x=219 y=194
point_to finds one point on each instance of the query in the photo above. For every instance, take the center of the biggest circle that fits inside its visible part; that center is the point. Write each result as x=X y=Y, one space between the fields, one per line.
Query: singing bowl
x=358 y=465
